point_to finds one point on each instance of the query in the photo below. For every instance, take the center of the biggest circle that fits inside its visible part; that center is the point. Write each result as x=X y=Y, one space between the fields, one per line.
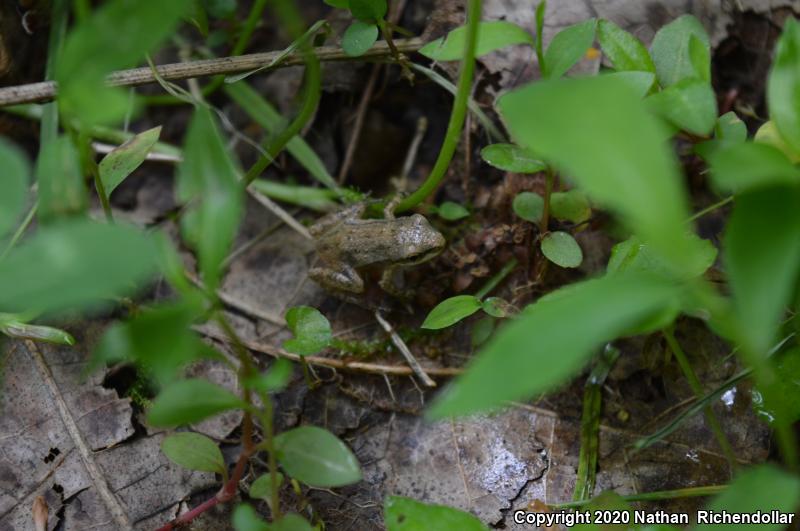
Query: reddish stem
x=226 y=494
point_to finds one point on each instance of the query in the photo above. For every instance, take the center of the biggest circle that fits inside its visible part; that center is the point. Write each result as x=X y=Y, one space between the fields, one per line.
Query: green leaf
x=451 y=211
x=783 y=85
x=359 y=37
x=640 y=82
x=762 y=488
x=739 y=167
x=625 y=51
x=492 y=36
x=568 y=47
x=519 y=361
x=405 y=514
x=598 y=132
x=117 y=35
x=762 y=258
x=190 y=401
x=670 y=49
x=497 y=307
x=62 y=192
x=245 y=518
x=700 y=56
x=340 y=4
x=512 y=158
x=75 y=264
x=632 y=255
x=311 y=329
x=291 y=522
x=220 y=8
x=768 y=134
x=562 y=249
x=689 y=105
x=275 y=379
x=262 y=487
x=529 y=206
x=730 y=128
x=158 y=339
x=194 y=452
x=481 y=331
x=450 y=311
x=265 y=115
x=368 y=10
x=316 y=457
x=785 y=390
x=314 y=198
x=572 y=205
x=123 y=160
x=209 y=184
x=14 y=184
x=21 y=330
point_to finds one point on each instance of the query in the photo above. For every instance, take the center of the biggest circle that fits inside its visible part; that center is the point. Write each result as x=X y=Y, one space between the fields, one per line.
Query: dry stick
x=47 y=90
x=404 y=350
x=359 y=123
x=331 y=363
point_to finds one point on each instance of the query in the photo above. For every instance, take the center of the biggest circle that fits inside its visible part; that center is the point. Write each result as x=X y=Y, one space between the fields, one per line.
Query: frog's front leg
x=345 y=278
x=392 y=282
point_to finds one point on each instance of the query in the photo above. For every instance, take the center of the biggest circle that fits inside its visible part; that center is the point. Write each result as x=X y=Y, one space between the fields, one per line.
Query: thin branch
x=332 y=363
x=47 y=90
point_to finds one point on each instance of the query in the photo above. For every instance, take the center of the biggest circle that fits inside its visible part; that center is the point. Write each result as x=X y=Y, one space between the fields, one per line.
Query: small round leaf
x=529 y=206
x=562 y=249
x=452 y=211
x=317 y=457
x=262 y=487
x=512 y=158
x=194 y=452
x=368 y=10
x=405 y=514
x=570 y=206
x=452 y=310
x=359 y=38
x=245 y=518
x=497 y=307
x=311 y=329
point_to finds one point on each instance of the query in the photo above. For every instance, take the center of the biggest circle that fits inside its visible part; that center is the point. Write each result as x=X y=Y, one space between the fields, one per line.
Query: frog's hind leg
x=345 y=278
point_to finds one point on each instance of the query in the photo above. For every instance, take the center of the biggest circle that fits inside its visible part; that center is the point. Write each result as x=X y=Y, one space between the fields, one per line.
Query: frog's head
x=421 y=241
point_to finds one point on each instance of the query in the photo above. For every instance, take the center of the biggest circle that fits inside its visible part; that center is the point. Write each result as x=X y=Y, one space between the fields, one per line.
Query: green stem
x=548 y=191
x=711 y=208
x=82 y=8
x=690 y=492
x=21 y=229
x=457 y=116
x=590 y=424
x=697 y=389
x=268 y=429
x=496 y=279
x=292 y=20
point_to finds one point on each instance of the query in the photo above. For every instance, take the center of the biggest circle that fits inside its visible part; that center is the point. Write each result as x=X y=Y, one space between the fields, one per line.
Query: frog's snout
x=431 y=238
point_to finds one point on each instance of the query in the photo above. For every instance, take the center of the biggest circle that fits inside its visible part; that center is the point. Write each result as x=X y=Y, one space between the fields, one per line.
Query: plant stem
x=496 y=279
x=711 y=208
x=267 y=427
x=548 y=191
x=292 y=20
x=690 y=492
x=21 y=229
x=457 y=116
x=697 y=389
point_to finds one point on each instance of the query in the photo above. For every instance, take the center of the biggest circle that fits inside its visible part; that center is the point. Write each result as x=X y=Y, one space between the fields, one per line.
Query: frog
x=346 y=243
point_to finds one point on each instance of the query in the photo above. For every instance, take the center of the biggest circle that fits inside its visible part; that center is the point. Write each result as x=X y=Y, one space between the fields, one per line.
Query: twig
x=276 y=209
x=404 y=350
x=332 y=363
x=47 y=90
x=366 y=96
